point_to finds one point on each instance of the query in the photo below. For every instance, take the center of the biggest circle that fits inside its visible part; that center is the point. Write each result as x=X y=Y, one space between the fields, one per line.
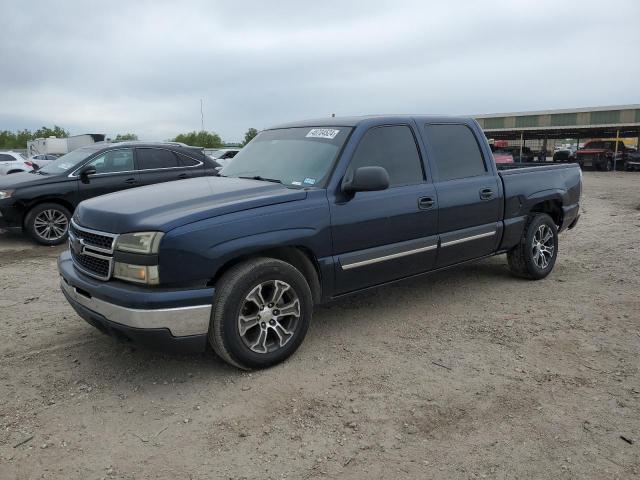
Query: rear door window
x=455 y=151
x=154 y=158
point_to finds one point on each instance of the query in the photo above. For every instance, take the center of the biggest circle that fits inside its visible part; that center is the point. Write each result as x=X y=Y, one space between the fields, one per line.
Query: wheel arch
x=40 y=201
x=301 y=257
x=552 y=207
x=550 y=202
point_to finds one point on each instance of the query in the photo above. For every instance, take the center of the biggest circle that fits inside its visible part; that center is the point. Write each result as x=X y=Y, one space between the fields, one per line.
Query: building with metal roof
x=609 y=121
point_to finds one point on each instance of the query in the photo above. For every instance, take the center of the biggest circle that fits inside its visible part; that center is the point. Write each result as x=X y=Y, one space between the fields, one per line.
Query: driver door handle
x=486 y=194
x=425 y=203
x=131 y=181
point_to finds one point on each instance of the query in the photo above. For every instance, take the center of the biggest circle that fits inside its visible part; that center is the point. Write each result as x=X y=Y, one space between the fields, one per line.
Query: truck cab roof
x=355 y=121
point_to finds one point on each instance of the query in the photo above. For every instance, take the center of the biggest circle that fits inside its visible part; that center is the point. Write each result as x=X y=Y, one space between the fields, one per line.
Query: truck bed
x=509 y=168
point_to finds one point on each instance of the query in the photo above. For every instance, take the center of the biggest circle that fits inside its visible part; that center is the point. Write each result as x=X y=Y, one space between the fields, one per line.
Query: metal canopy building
x=578 y=123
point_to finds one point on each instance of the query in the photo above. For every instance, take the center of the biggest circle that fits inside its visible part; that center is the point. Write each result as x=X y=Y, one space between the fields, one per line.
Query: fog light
x=136 y=273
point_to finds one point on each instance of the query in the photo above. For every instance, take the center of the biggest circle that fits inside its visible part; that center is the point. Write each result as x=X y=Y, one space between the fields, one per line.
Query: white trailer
x=60 y=146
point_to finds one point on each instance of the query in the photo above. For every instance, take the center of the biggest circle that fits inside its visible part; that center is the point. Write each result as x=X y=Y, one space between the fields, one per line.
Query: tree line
x=19 y=138
x=204 y=139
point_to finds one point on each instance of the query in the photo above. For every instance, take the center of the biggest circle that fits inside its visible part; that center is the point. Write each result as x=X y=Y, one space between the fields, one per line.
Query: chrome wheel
x=269 y=316
x=51 y=225
x=543 y=246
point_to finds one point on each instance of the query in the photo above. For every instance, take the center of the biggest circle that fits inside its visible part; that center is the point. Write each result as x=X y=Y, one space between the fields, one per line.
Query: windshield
x=300 y=156
x=69 y=161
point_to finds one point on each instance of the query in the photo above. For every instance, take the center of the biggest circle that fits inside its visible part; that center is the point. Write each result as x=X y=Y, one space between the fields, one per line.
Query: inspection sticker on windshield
x=329 y=133
x=309 y=181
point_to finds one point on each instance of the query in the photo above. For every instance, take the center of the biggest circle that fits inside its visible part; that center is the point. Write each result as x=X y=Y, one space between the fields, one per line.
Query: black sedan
x=42 y=202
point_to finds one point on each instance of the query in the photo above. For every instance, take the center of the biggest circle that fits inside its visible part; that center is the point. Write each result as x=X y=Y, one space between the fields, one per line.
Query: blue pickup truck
x=307 y=212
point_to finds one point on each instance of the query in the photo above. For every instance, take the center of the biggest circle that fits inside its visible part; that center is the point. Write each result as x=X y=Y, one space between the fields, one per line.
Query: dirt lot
x=469 y=373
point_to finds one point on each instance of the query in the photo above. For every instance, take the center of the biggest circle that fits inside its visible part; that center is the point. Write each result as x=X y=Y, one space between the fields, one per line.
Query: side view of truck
x=307 y=212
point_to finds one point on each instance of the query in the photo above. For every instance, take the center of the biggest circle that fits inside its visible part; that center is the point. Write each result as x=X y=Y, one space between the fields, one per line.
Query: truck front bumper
x=175 y=320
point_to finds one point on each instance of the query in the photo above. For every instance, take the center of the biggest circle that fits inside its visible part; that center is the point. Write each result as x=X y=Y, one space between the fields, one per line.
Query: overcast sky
x=142 y=67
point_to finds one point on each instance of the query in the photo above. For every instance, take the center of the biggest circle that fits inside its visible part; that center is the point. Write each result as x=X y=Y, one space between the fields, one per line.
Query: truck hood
x=165 y=206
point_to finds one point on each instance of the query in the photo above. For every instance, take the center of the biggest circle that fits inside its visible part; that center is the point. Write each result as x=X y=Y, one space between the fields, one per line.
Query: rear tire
x=535 y=255
x=48 y=223
x=249 y=327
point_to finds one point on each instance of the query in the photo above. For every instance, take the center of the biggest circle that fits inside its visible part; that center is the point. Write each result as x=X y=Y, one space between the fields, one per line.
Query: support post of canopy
x=615 y=152
x=521 y=143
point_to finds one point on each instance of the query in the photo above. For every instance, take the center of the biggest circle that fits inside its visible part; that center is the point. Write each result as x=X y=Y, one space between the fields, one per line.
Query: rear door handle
x=425 y=203
x=182 y=176
x=130 y=181
x=486 y=194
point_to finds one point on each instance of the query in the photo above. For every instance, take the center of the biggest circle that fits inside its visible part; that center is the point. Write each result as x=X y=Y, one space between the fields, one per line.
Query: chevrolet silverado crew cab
x=307 y=212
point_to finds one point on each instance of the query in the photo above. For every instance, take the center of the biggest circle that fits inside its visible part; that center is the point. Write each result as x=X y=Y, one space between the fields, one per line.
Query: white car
x=41 y=159
x=222 y=155
x=13 y=162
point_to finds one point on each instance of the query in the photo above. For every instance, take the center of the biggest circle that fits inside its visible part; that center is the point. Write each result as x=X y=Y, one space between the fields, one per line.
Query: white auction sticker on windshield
x=329 y=133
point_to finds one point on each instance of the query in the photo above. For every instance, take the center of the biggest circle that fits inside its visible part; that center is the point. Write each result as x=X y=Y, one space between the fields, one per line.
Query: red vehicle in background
x=500 y=152
x=600 y=155
x=503 y=156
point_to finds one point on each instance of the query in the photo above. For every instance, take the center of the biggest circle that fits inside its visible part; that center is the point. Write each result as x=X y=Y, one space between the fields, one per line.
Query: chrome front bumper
x=181 y=321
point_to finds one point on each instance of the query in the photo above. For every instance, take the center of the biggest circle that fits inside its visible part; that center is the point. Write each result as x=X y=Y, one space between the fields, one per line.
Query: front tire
x=261 y=313
x=534 y=257
x=48 y=223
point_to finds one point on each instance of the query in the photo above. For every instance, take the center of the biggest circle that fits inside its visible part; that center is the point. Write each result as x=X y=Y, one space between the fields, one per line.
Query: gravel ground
x=469 y=373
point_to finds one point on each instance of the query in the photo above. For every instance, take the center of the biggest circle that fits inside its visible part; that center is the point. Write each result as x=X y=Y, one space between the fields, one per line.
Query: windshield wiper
x=262 y=179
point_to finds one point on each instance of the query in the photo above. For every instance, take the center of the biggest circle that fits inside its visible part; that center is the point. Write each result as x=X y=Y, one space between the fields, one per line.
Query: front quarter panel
x=193 y=253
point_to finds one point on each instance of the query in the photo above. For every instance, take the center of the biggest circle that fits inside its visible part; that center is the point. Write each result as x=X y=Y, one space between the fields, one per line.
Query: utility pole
x=201 y=117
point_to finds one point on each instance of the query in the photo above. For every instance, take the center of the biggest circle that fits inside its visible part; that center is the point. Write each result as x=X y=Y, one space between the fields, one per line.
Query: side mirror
x=366 y=179
x=86 y=171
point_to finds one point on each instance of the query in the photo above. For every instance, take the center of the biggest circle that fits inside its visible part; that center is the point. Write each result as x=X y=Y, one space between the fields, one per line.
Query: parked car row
x=41 y=202
x=14 y=162
x=601 y=155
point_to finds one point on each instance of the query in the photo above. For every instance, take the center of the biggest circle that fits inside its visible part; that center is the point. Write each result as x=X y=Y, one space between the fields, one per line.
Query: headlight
x=140 y=242
x=147 y=274
x=5 y=194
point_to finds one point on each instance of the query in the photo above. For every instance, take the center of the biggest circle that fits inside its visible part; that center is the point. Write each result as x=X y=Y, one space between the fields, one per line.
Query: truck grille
x=92 y=251
x=93 y=238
